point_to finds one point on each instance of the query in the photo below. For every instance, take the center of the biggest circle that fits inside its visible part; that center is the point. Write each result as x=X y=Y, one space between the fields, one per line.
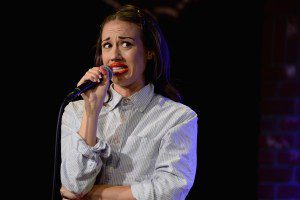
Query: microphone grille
x=110 y=73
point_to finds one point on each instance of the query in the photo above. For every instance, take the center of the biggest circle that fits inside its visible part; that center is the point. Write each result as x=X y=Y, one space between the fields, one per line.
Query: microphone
x=87 y=85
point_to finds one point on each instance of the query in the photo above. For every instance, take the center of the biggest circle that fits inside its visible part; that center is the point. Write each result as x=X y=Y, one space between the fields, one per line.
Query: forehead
x=120 y=28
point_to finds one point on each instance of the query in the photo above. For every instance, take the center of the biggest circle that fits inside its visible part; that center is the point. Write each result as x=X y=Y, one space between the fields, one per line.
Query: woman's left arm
x=102 y=192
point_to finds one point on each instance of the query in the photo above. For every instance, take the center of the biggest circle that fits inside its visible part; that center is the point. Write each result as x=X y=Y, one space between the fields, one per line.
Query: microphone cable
x=57 y=159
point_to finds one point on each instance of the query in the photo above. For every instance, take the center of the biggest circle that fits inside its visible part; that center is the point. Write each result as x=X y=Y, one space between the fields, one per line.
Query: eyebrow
x=121 y=37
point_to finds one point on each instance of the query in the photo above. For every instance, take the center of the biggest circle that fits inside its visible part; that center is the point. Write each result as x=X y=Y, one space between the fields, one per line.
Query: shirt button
x=126 y=100
x=116 y=140
x=110 y=169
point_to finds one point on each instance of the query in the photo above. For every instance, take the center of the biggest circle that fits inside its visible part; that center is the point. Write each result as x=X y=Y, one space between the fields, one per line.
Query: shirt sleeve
x=81 y=163
x=175 y=168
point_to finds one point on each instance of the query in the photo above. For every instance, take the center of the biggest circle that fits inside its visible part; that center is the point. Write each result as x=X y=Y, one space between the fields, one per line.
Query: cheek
x=104 y=58
x=142 y=62
x=138 y=57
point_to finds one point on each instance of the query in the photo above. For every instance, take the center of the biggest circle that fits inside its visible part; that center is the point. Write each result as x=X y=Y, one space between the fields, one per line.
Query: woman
x=131 y=139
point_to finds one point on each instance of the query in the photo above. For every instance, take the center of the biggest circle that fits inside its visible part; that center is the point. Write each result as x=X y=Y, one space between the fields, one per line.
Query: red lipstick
x=118 y=68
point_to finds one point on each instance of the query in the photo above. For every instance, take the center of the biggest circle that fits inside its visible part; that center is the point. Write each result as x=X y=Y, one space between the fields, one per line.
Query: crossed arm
x=102 y=192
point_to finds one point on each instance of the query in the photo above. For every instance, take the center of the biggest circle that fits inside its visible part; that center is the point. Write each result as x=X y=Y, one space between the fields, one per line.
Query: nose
x=116 y=54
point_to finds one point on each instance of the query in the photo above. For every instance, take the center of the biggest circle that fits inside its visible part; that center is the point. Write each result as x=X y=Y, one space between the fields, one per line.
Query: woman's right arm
x=81 y=150
x=81 y=163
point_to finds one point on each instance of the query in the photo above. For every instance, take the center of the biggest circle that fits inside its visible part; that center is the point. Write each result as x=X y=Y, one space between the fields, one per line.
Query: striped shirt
x=145 y=141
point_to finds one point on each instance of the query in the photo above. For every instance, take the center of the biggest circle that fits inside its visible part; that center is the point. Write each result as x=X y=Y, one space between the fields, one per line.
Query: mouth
x=118 y=68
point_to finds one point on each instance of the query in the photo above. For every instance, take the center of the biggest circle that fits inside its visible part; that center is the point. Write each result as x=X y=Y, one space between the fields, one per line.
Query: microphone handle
x=86 y=86
x=82 y=88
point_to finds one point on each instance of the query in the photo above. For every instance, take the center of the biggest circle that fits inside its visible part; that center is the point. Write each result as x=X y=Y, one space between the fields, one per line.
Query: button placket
x=116 y=139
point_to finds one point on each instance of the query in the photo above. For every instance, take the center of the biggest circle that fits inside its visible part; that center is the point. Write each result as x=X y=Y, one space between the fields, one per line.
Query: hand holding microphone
x=93 y=77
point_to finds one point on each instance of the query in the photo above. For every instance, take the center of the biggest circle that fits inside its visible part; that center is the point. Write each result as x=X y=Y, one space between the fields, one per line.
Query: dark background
x=215 y=52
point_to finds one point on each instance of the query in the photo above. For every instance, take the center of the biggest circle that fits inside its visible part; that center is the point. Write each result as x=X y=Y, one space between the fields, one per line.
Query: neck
x=128 y=90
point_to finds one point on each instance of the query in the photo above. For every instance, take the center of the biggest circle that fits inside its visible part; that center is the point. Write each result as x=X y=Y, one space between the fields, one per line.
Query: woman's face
x=123 y=51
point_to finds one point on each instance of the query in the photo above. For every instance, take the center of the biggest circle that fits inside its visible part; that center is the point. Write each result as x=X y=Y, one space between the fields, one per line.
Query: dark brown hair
x=157 y=69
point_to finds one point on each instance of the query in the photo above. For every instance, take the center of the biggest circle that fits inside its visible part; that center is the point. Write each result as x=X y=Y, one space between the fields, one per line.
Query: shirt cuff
x=135 y=188
x=101 y=147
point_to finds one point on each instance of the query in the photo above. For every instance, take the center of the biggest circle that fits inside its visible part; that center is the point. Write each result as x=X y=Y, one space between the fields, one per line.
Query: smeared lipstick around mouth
x=118 y=68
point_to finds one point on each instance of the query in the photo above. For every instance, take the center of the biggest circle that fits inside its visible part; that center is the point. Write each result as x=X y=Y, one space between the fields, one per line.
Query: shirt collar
x=140 y=99
x=115 y=98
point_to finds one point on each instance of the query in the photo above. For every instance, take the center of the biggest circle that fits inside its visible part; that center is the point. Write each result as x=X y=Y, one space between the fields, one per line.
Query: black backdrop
x=215 y=51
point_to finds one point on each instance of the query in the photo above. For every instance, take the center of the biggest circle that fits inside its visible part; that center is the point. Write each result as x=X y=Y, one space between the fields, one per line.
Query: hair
x=157 y=69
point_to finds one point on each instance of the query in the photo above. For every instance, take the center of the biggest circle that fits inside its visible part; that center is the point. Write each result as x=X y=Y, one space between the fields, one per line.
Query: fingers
x=93 y=74
x=96 y=73
x=102 y=70
x=67 y=195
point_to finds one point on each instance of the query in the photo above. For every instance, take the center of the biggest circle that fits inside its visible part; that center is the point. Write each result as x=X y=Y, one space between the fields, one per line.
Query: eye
x=106 y=45
x=126 y=44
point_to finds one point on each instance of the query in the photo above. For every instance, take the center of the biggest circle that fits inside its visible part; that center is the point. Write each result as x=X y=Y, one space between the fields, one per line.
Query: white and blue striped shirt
x=146 y=141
